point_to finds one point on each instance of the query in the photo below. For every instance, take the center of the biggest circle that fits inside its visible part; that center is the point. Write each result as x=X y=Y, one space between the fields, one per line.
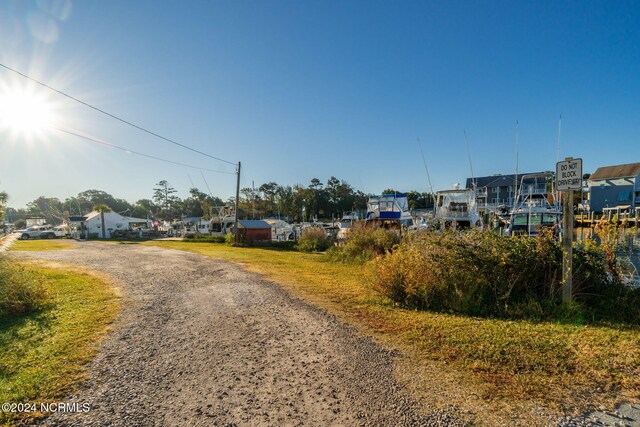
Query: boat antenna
x=474 y=183
x=425 y=165
x=192 y=184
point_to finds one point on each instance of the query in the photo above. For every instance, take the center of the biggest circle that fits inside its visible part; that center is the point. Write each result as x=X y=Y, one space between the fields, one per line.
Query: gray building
x=615 y=186
x=495 y=190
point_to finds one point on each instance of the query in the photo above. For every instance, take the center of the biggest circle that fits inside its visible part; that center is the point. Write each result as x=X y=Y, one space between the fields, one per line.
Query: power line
x=114 y=116
x=97 y=141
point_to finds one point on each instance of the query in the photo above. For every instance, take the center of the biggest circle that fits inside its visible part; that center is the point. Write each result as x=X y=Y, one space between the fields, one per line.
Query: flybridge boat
x=390 y=209
x=457 y=208
x=535 y=208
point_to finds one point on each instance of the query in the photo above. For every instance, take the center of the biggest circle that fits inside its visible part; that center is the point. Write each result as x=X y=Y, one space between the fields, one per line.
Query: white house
x=112 y=221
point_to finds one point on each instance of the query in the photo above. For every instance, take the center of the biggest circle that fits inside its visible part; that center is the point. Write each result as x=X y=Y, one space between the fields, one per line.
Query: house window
x=495 y=190
x=624 y=196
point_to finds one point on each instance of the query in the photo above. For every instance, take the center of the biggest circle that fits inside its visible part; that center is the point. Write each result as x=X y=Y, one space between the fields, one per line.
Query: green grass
x=40 y=245
x=504 y=362
x=43 y=355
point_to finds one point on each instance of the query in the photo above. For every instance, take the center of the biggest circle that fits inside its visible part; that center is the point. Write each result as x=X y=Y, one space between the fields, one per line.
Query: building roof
x=616 y=171
x=253 y=223
x=94 y=214
x=495 y=180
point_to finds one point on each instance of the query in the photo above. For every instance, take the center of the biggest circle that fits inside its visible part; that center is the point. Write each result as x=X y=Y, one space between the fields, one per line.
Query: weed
x=20 y=291
x=365 y=243
x=313 y=239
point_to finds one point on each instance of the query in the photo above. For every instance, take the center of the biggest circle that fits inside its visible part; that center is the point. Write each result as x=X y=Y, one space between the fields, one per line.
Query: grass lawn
x=501 y=368
x=40 y=245
x=43 y=355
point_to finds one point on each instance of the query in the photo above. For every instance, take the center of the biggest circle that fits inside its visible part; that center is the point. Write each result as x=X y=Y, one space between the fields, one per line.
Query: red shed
x=254 y=231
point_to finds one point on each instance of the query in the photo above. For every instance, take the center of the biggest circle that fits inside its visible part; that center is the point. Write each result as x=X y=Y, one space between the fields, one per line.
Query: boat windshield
x=533 y=222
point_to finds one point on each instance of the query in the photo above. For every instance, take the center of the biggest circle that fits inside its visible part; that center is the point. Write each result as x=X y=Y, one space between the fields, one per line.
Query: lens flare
x=24 y=112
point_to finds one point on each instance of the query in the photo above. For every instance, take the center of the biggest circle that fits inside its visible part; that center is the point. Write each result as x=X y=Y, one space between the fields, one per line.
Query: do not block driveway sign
x=569 y=174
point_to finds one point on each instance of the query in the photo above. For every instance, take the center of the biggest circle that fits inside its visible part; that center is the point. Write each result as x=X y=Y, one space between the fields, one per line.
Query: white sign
x=569 y=174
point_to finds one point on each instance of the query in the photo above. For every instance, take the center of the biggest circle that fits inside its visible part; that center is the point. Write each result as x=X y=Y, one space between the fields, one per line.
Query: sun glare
x=24 y=112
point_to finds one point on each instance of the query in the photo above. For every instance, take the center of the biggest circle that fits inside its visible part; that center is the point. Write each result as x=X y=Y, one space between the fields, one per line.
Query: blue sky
x=304 y=89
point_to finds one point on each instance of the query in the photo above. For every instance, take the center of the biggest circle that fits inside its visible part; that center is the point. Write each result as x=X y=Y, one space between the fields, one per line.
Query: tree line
x=297 y=203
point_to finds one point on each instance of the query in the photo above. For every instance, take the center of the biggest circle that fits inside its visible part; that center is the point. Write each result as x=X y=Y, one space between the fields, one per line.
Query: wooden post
x=567 y=247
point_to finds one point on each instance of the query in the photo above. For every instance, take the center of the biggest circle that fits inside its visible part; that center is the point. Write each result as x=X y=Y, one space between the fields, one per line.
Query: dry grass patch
x=40 y=245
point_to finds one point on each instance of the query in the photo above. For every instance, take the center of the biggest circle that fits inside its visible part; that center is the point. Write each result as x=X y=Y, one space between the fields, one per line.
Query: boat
x=346 y=224
x=457 y=208
x=222 y=222
x=280 y=230
x=535 y=207
x=390 y=210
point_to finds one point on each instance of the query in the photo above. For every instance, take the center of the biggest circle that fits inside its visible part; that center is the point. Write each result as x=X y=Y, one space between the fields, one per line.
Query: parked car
x=37 y=231
x=61 y=231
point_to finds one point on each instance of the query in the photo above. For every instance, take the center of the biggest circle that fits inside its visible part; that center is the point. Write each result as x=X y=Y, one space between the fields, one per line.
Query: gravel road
x=201 y=342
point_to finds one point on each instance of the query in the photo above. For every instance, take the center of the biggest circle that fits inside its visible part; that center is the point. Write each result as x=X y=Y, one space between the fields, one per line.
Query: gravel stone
x=202 y=342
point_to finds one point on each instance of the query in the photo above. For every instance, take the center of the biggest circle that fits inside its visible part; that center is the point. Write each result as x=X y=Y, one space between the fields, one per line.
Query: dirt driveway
x=203 y=342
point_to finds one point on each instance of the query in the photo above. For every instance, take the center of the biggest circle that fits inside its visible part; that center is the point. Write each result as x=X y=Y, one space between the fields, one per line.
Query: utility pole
x=236 y=230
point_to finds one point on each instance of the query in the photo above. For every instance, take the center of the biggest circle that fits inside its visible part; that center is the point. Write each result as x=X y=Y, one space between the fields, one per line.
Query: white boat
x=223 y=221
x=281 y=230
x=535 y=208
x=457 y=208
x=389 y=209
x=345 y=224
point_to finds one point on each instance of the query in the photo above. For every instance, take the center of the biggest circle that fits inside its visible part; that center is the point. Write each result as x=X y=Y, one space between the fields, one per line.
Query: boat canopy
x=387 y=206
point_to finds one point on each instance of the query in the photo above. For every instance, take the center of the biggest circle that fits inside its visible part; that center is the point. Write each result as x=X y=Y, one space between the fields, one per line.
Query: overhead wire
x=107 y=144
x=113 y=116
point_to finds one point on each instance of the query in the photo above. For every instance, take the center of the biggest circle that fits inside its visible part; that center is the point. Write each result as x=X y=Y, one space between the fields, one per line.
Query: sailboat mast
x=559 y=129
x=425 y=165
x=473 y=181
x=517 y=159
x=556 y=193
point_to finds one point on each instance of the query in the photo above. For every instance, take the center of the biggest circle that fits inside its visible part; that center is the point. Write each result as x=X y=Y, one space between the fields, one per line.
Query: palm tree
x=102 y=208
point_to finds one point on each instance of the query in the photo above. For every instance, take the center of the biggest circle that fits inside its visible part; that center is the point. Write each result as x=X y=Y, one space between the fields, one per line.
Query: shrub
x=365 y=243
x=230 y=239
x=313 y=239
x=481 y=273
x=20 y=291
x=204 y=238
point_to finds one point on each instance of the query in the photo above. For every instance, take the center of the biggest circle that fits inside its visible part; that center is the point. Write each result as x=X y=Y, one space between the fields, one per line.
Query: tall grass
x=20 y=291
x=313 y=239
x=484 y=274
x=365 y=243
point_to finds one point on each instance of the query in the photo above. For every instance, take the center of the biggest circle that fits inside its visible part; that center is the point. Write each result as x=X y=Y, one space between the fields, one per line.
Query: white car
x=61 y=231
x=37 y=231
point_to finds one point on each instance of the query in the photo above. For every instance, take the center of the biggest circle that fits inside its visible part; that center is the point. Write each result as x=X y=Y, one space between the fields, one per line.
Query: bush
x=205 y=238
x=484 y=274
x=313 y=239
x=20 y=291
x=365 y=243
x=230 y=239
